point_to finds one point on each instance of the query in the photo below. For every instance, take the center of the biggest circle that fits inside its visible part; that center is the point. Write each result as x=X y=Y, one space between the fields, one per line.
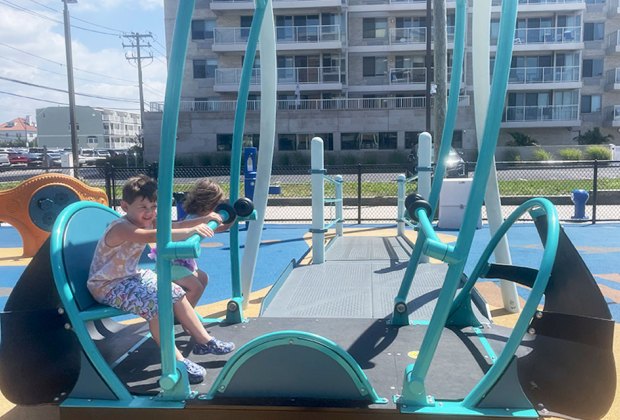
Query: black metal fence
x=370 y=190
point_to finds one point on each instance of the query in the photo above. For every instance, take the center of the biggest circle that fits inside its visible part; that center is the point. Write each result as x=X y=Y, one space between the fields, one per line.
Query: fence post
x=594 y=191
x=154 y=171
x=400 y=205
x=108 y=183
x=339 y=205
x=359 y=193
x=318 y=195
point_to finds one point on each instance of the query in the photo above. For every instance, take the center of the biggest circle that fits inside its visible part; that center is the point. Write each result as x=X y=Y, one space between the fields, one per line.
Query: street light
x=71 y=88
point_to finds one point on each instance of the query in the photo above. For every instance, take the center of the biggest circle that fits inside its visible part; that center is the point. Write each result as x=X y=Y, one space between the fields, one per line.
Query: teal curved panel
x=293 y=364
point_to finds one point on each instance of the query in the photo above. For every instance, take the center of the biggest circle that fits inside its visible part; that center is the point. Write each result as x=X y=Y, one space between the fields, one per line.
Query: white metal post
x=400 y=205
x=339 y=204
x=318 y=194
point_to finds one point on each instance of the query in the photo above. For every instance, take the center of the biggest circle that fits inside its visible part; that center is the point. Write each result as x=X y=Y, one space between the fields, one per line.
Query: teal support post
x=173 y=387
x=235 y=157
x=414 y=391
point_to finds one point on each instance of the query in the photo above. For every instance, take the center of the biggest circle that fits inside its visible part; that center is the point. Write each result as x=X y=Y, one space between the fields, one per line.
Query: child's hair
x=140 y=186
x=202 y=198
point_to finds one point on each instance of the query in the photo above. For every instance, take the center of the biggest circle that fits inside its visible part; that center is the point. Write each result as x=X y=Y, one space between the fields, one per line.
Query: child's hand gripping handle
x=243 y=207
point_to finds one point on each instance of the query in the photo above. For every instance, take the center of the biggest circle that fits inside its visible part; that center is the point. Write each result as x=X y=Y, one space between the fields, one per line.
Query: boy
x=115 y=279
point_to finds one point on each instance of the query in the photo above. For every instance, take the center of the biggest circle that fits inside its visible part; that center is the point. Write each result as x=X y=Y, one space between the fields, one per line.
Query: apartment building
x=97 y=128
x=353 y=72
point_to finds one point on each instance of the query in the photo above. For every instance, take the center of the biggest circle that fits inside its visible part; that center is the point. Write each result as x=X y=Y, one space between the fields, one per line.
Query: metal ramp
x=359 y=280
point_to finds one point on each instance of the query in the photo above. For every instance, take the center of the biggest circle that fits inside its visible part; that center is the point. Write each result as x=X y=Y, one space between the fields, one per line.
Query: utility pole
x=71 y=88
x=441 y=72
x=429 y=66
x=135 y=39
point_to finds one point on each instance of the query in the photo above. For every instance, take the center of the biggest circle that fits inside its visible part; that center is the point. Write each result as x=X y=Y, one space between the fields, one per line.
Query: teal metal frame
x=299 y=338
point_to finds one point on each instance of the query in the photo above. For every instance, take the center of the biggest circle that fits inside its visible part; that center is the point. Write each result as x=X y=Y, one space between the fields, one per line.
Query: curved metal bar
x=414 y=391
x=70 y=305
x=238 y=130
x=300 y=338
x=536 y=294
x=170 y=375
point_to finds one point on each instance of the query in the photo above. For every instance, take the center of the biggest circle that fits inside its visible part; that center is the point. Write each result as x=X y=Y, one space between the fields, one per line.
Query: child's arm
x=127 y=232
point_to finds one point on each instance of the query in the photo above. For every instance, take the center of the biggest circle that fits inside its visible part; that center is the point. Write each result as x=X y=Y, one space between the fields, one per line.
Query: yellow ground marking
x=12 y=257
x=413 y=354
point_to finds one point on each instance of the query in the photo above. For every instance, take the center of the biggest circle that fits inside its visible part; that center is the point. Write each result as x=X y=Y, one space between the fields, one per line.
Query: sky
x=33 y=71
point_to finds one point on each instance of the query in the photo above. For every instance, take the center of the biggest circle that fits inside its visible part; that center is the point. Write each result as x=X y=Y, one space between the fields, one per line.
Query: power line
x=81 y=20
x=32 y=12
x=63 y=65
x=64 y=91
x=62 y=74
x=30 y=97
x=136 y=39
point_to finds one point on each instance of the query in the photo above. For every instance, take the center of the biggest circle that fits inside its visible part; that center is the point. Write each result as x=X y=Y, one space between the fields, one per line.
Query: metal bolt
x=539 y=314
x=61 y=311
x=531 y=331
x=67 y=326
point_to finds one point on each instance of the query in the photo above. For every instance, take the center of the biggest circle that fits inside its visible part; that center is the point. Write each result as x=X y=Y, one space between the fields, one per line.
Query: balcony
x=392 y=5
x=287 y=38
x=613 y=79
x=615 y=117
x=544 y=5
x=248 y=5
x=566 y=77
x=613 y=41
x=308 y=78
x=558 y=38
x=540 y=116
x=412 y=102
x=398 y=39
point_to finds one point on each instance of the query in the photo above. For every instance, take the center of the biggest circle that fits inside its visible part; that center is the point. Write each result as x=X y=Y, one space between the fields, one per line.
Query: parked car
x=35 y=159
x=455 y=165
x=18 y=159
x=4 y=161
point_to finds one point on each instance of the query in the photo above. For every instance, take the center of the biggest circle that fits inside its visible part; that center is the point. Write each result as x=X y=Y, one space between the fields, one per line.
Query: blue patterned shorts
x=138 y=295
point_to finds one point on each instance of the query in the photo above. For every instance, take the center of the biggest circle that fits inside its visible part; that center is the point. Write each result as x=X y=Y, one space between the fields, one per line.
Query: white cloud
x=32 y=50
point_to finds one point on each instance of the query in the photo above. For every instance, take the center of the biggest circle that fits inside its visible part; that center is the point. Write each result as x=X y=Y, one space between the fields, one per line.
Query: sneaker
x=195 y=372
x=214 y=346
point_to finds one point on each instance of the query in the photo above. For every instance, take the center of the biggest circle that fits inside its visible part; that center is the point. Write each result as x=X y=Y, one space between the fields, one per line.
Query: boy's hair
x=202 y=198
x=140 y=186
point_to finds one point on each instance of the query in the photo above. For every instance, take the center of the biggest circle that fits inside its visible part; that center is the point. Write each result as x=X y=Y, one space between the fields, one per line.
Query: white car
x=4 y=160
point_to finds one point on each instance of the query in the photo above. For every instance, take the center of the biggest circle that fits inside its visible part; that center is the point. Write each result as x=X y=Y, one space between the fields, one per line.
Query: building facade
x=97 y=128
x=18 y=131
x=353 y=72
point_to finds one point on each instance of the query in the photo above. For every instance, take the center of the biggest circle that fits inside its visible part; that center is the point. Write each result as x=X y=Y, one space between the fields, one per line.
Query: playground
x=331 y=321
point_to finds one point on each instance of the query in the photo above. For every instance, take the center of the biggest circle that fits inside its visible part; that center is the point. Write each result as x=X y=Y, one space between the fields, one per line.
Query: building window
x=368 y=141
x=590 y=104
x=374 y=28
x=374 y=66
x=596 y=1
x=203 y=29
x=593 y=31
x=92 y=140
x=593 y=67
x=204 y=69
x=224 y=142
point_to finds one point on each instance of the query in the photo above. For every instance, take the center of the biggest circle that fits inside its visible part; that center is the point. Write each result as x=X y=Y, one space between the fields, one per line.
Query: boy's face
x=142 y=212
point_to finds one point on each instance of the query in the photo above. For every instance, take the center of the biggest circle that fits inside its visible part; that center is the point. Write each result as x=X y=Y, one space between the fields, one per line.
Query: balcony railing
x=557 y=35
x=613 y=40
x=613 y=76
x=286 y=75
x=616 y=114
x=412 y=102
x=541 y=113
x=398 y=76
x=524 y=75
x=541 y=2
x=284 y=34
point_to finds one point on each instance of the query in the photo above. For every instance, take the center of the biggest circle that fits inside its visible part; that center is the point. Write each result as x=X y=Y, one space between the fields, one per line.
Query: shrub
x=349 y=159
x=593 y=136
x=397 y=157
x=512 y=156
x=541 y=155
x=521 y=139
x=598 y=153
x=570 y=154
x=183 y=161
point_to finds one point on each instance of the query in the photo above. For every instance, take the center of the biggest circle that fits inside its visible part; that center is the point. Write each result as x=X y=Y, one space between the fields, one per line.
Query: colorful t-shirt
x=112 y=264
